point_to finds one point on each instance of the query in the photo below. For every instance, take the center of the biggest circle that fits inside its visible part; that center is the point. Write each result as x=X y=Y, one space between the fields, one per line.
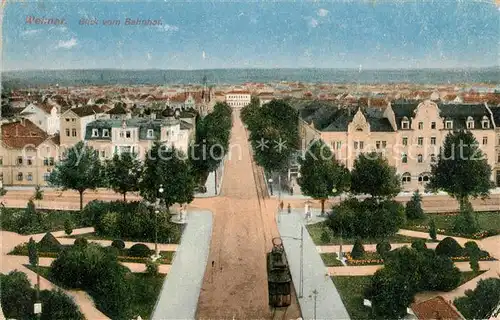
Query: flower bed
x=369 y=258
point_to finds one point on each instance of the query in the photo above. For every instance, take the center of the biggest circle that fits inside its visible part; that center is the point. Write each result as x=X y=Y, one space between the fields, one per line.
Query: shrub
x=109 y=224
x=81 y=241
x=49 y=244
x=413 y=207
x=383 y=247
x=139 y=250
x=2 y=192
x=449 y=247
x=419 y=245
x=152 y=267
x=57 y=305
x=325 y=236
x=118 y=244
x=466 y=222
x=432 y=229
x=471 y=248
x=16 y=295
x=357 y=250
x=68 y=226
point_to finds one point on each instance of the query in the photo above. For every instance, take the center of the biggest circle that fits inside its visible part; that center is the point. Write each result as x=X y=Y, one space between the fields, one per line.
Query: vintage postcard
x=219 y=159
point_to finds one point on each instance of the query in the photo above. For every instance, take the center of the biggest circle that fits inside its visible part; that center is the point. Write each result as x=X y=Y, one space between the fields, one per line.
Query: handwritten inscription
x=116 y=22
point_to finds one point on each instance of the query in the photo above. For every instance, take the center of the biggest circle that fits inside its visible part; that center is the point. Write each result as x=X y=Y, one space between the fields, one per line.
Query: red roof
x=238 y=92
x=22 y=133
x=435 y=308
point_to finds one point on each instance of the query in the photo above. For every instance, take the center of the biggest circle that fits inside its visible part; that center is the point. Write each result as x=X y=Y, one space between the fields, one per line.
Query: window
x=46 y=176
x=29 y=177
x=405 y=124
x=356 y=145
x=404 y=158
x=498 y=157
x=420 y=141
x=424 y=177
x=485 y=123
x=122 y=134
x=45 y=161
x=433 y=125
x=20 y=176
x=384 y=144
x=470 y=123
x=103 y=153
x=405 y=141
x=105 y=133
x=150 y=133
x=449 y=124
x=339 y=144
x=73 y=120
x=433 y=140
x=361 y=144
x=1 y=161
x=19 y=160
x=406 y=178
x=73 y=132
x=95 y=132
x=420 y=125
x=67 y=119
x=127 y=134
x=377 y=144
x=433 y=158
x=67 y=132
x=485 y=140
x=420 y=158
x=29 y=161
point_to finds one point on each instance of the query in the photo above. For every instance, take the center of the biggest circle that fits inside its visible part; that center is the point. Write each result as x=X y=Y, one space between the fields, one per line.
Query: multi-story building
x=27 y=153
x=43 y=115
x=137 y=135
x=496 y=119
x=408 y=134
x=75 y=120
x=238 y=99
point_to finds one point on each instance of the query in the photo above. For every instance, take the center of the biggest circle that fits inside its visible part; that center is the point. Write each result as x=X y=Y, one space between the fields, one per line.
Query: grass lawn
x=94 y=236
x=330 y=260
x=351 y=290
x=145 y=291
x=11 y=219
x=487 y=221
x=316 y=229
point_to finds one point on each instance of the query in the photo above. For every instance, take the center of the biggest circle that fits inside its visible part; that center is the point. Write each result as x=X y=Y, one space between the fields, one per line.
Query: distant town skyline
x=220 y=35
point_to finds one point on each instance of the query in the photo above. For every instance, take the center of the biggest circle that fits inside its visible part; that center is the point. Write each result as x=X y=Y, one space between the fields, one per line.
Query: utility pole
x=301 y=292
x=315 y=295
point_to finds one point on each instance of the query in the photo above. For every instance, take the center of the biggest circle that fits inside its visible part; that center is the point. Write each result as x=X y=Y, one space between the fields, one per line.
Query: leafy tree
x=30 y=220
x=480 y=302
x=383 y=247
x=357 y=250
x=249 y=113
x=81 y=241
x=38 y=195
x=419 y=245
x=68 y=226
x=432 y=229
x=123 y=173
x=33 y=252
x=373 y=175
x=466 y=221
x=16 y=295
x=413 y=207
x=321 y=176
x=57 y=305
x=169 y=168
x=472 y=250
x=461 y=169
x=80 y=170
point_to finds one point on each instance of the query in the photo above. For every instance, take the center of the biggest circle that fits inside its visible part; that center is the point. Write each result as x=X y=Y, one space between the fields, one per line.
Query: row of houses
x=30 y=145
x=408 y=133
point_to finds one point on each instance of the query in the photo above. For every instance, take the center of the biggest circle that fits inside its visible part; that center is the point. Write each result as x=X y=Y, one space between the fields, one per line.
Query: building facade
x=238 y=99
x=44 y=115
x=409 y=135
x=74 y=122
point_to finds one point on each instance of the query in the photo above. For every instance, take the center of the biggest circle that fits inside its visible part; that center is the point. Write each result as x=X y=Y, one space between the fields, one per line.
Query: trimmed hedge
x=449 y=247
x=139 y=250
x=118 y=244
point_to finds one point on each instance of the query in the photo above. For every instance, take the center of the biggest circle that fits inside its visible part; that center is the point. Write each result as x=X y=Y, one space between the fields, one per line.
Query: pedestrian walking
x=289 y=208
x=281 y=206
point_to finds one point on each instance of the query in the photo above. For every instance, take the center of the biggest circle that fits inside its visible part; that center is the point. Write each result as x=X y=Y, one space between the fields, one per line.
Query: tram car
x=278 y=275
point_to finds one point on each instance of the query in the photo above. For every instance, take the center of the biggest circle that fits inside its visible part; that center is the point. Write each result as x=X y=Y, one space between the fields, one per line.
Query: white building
x=44 y=116
x=238 y=99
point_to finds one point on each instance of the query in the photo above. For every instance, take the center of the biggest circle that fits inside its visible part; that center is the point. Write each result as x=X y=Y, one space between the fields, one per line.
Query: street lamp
x=160 y=192
x=270 y=185
x=315 y=294
x=301 y=274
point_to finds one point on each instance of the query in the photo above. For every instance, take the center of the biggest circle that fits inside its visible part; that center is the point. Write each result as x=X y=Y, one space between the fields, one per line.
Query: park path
x=368 y=247
x=235 y=282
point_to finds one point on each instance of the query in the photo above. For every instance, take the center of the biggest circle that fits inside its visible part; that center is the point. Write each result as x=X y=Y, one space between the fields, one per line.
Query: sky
x=201 y=34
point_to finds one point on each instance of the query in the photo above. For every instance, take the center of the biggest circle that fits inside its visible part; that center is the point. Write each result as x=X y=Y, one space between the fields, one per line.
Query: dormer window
x=150 y=133
x=105 y=133
x=448 y=124
x=95 y=133
x=470 y=123
x=485 y=123
x=405 y=124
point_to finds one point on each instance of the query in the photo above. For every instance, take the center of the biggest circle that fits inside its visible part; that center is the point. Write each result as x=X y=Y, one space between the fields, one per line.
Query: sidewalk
x=210 y=183
x=328 y=304
x=180 y=291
